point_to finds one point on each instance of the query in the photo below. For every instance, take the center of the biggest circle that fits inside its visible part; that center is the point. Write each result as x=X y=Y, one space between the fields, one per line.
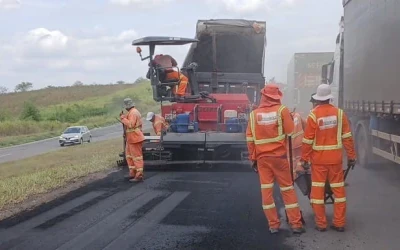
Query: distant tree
x=120 y=82
x=23 y=87
x=78 y=83
x=140 y=79
x=30 y=112
x=3 y=90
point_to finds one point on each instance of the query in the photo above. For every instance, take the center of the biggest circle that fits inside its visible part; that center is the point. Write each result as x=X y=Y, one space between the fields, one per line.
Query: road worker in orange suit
x=169 y=64
x=266 y=135
x=327 y=131
x=134 y=140
x=180 y=89
x=159 y=123
x=298 y=165
x=297 y=137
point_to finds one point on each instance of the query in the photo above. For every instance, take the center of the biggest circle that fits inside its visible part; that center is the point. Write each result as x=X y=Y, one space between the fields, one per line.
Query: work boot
x=339 y=229
x=137 y=178
x=131 y=175
x=274 y=230
x=320 y=229
x=298 y=230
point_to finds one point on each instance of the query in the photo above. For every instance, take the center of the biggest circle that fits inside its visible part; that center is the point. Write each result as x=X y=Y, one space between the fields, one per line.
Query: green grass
x=40 y=174
x=92 y=106
x=14 y=102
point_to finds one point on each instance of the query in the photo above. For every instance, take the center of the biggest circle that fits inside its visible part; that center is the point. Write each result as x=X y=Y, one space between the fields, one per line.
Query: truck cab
x=332 y=72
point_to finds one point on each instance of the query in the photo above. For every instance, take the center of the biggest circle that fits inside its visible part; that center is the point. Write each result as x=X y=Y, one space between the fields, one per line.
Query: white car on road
x=75 y=135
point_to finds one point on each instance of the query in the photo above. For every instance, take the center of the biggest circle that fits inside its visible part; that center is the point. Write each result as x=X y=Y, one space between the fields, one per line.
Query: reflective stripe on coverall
x=134 y=142
x=266 y=141
x=326 y=132
x=159 y=124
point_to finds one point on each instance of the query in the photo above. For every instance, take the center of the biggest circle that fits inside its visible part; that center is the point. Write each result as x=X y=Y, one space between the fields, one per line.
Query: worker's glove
x=254 y=166
x=306 y=165
x=351 y=163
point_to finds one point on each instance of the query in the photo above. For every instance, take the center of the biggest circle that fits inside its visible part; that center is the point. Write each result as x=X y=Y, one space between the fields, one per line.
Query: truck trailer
x=365 y=69
x=303 y=77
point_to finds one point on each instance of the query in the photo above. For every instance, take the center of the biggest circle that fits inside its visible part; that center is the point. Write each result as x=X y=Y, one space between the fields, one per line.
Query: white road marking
x=1 y=156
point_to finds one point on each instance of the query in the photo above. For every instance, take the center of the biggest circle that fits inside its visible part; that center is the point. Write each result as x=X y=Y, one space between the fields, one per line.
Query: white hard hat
x=324 y=93
x=149 y=116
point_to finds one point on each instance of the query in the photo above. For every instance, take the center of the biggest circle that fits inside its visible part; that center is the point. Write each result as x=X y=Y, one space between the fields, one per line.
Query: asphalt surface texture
x=202 y=210
x=40 y=147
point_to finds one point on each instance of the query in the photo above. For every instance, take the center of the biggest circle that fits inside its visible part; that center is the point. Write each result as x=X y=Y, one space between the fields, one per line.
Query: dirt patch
x=39 y=199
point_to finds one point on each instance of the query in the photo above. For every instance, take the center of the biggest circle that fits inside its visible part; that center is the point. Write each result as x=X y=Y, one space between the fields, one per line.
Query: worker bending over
x=159 y=123
x=134 y=140
x=266 y=136
x=168 y=63
x=326 y=131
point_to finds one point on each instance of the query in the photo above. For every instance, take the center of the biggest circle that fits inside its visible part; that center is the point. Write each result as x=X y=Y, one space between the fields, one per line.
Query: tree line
x=26 y=86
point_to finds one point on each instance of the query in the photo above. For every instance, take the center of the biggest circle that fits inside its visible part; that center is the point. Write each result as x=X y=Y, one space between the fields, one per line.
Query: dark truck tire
x=363 y=144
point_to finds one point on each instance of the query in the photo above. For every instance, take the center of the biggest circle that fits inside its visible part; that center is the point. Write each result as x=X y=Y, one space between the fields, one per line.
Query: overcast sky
x=57 y=42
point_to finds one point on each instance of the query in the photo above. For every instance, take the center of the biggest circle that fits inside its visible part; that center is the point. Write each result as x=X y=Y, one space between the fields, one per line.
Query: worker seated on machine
x=167 y=71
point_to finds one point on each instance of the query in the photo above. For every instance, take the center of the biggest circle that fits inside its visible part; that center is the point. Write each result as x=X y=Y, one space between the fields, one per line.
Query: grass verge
x=17 y=140
x=98 y=106
x=91 y=123
x=40 y=174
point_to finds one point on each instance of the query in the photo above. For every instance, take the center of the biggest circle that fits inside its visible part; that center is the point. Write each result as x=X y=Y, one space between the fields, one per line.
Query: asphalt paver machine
x=225 y=68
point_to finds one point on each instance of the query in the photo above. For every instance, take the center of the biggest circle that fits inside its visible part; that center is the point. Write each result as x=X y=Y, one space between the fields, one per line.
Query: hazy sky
x=57 y=42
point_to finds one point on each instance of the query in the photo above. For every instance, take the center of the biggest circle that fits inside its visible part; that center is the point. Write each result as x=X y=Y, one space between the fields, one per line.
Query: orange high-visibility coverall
x=159 y=124
x=326 y=132
x=180 y=89
x=297 y=136
x=134 y=142
x=266 y=140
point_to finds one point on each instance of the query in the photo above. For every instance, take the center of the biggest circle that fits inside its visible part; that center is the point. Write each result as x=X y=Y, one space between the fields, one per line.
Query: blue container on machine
x=233 y=125
x=182 y=123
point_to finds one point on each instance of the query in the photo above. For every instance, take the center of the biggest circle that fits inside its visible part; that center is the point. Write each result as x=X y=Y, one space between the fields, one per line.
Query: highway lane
x=40 y=147
x=201 y=210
